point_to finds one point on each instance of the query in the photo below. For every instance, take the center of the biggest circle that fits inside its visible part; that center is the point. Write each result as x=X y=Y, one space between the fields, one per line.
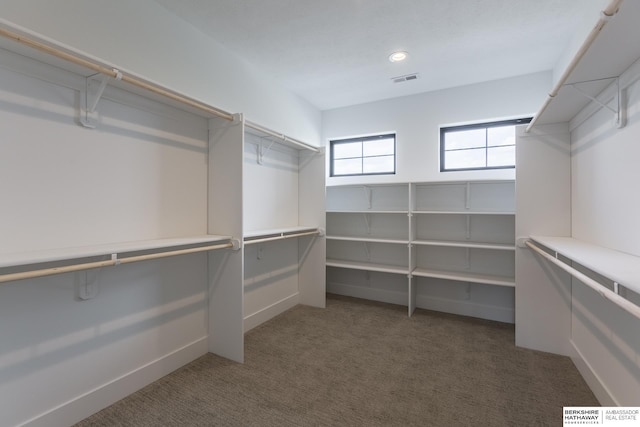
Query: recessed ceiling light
x=398 y=56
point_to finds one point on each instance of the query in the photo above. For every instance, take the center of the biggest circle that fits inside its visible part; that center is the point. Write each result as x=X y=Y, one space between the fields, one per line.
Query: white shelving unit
x=283 y=222
x=452 y=231
x=102 y=167
x=584 y=138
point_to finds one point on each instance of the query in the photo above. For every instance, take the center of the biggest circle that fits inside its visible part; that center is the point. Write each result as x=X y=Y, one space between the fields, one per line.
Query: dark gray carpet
x=362 y=363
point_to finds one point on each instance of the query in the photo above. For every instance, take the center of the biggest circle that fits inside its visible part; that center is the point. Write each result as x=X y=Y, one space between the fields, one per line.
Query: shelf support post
x=367 y=222
x=368 y=193
x=467 y=196
x=468 y=234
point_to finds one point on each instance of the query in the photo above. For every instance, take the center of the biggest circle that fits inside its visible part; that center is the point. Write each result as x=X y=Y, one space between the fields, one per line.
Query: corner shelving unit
x=456 y=231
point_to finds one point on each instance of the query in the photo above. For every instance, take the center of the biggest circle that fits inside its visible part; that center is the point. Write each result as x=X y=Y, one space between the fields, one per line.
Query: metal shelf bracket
x=619 y=111
x=262 y=150
x=90 y=96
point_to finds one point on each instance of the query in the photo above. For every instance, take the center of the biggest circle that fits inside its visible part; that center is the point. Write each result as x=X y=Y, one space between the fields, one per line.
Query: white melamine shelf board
x=13 y=46
x=465 y=277
x=279 y=138
x=617 y=266
x=61 y=254
x=367 y=266
x=368 y=212
x=609 y=56
x=473 y=245
x=371 y=185
x=462 y=213
x=278 y=231
x=368 y=239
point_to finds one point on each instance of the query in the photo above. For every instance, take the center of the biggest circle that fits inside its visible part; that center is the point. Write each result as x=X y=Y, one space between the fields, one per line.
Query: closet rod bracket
x=91 y=95
x=236 y=244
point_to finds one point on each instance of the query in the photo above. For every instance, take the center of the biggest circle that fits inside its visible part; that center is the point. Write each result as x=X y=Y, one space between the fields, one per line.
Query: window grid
x=486 y=147
x=362 y=157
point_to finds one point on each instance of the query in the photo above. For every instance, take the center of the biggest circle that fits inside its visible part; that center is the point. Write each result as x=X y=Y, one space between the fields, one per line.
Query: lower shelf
x=367 y=266
x=423 y=272
x=465 y=277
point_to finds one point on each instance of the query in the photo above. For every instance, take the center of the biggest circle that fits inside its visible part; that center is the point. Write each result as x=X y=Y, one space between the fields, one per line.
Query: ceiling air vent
x=405 y=78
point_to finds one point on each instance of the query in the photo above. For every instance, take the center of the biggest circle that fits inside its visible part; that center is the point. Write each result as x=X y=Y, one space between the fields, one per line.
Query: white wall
x=143 y=37
x=141 y=174
x=416 y=120
x=605 y=211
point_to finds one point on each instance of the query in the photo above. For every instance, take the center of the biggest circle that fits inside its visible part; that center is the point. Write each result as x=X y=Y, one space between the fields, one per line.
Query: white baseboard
x=100 y=397
x=466 y=308
x=592 y=379
x=460 y=307
x=380 y=295
x=271 y=311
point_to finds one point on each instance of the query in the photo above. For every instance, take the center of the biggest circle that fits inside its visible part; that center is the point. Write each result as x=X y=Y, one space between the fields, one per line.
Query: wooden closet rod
x=283 y=137
x=112 y=262
x=283 y=236
x=599 y=288
x=112 y=72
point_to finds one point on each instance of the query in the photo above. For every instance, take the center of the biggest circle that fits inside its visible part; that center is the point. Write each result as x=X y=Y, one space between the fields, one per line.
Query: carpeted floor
x=362 y=363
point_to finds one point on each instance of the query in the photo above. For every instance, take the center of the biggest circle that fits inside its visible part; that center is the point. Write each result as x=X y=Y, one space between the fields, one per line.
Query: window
x=369 y=155
x=479 y=146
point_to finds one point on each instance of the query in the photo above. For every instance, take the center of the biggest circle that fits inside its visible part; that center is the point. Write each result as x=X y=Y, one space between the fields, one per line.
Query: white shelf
x=462 y=213
x=368 y=239
x=279 y=138
x=465 y=277
x=254 y=234
x=611 y=43
x=367 y=266
x=444 y=220
x=472 y=245
x=62 y=254
x=368 y=212
x=617 y=266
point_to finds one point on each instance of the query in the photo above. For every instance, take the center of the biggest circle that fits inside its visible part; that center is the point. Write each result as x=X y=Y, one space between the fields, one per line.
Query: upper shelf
x=612 y=52
x=273 y=136
x=42 y=49
x=63 y=254
x=617 y=266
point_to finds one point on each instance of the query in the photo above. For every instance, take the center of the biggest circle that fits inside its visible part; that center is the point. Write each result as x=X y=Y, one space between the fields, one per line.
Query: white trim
x=271 y=311
x=380 y=295
x=102 y=396
x=466 y=308
x=592 y=379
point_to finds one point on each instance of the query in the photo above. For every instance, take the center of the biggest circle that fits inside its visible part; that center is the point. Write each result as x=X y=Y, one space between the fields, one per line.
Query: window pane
x=465 y=139
x=378 y=147
x=501 y=156
x=347 y=166
x=502 y=135
x=381 y=164
x=461 y=159
x=347 y=150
